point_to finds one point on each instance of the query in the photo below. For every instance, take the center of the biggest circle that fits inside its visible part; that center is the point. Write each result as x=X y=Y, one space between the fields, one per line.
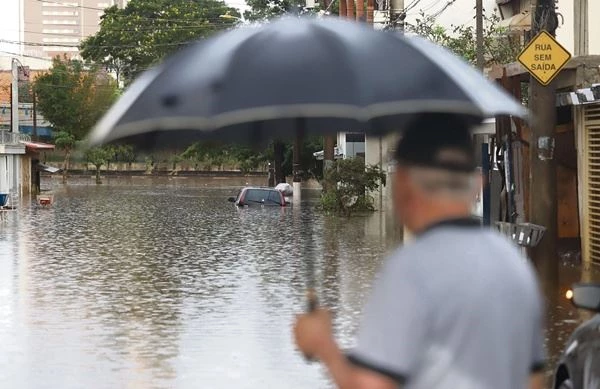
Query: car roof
x=260 y=187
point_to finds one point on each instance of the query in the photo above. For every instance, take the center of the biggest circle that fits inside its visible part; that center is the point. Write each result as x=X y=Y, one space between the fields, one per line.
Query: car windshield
x=262 y=196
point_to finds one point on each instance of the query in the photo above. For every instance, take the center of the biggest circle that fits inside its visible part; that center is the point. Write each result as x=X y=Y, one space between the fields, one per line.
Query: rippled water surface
x=164 y=284
x=161 y=283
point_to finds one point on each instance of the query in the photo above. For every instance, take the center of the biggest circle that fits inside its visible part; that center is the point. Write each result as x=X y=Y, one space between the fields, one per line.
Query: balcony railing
x=11 y=138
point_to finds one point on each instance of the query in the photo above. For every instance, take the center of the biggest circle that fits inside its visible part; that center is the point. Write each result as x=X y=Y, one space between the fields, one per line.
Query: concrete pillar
x=297 y=183
x=26 y=176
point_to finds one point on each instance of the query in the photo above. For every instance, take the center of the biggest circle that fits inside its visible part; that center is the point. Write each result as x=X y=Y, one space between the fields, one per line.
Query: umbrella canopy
x=319 y=75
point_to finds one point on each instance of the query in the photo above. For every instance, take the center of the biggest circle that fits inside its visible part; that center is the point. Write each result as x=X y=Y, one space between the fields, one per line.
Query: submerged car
x=250 y=196
x=579 y=364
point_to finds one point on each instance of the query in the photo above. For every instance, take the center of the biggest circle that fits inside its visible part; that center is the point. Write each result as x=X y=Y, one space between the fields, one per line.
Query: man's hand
x=313 y=333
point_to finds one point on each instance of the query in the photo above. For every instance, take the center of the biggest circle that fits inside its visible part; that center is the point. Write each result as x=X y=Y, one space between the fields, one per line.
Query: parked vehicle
x=252 y=196
x=579 y=364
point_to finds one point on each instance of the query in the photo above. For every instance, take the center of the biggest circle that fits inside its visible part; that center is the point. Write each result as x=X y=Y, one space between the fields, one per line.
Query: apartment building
x=57 y=27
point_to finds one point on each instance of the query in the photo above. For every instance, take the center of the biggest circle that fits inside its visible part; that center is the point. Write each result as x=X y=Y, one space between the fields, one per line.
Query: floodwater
x=161 y=283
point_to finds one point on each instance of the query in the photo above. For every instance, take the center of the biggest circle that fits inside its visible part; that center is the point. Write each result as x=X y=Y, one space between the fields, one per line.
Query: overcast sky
x=9 y=24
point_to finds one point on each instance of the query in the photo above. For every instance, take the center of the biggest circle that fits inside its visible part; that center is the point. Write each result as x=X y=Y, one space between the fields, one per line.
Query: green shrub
x=347 y=185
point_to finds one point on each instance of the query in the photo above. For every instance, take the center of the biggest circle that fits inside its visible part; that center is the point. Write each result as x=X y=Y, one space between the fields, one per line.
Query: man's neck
x=429 y=220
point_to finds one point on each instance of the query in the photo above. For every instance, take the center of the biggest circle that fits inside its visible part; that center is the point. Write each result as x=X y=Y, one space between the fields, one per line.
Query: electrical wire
x=139 y=17
x=36 y=44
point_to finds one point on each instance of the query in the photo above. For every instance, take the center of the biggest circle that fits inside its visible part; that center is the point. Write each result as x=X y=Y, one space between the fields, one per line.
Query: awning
x=583 y=96
x=46 y=168
x=37 y=146
x=518 y=22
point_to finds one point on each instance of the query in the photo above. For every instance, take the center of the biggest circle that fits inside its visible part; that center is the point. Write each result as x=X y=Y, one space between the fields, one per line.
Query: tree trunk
x=98 y=181
x=66 y=165
x=278 y=150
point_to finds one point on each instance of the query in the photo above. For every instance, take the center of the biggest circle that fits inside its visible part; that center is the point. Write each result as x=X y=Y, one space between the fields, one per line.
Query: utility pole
x=479 y=33
x=360 y=10
x=349 y=9
x=278 y=149
x=297 y=180
x=34 y=131
x=397 y=14
x=329 y=140
x=342 y=8
x=542 y=174
x=14 y=101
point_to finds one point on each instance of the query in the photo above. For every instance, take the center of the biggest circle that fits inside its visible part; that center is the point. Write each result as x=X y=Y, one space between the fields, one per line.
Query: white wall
x=461 y=12
x=594 y=26
x=565 y=33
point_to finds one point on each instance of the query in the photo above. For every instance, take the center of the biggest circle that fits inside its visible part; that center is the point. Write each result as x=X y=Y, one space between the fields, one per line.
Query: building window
x=60 y=13
x=59 y=21
x=59 y=31
x=60 y=40
x=60 y=48
x=355 y=137
x=61 y=4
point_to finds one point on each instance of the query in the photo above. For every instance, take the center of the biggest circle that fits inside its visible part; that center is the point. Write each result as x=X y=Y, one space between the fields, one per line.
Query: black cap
x=440 y=141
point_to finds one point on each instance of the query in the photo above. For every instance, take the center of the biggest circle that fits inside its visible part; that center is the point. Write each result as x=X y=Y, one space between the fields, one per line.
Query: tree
x=126 y=154
x=350 y=181
x=261 y=10
x=134 y=38
x=499 y=46
x=73 y=97
x=65 y=141
x=99 y=156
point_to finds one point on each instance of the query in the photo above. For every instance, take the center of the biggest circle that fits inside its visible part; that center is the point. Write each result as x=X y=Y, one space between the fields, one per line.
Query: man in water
x=458 y=307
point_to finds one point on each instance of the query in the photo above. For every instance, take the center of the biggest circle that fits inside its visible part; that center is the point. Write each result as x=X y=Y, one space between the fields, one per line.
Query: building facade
x=57 y=27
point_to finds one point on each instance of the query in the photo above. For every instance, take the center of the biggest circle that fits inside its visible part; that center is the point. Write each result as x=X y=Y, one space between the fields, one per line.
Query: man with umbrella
x=459 y=307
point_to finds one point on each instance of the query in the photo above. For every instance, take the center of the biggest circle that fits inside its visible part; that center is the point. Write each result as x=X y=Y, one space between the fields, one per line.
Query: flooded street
x=161 y=283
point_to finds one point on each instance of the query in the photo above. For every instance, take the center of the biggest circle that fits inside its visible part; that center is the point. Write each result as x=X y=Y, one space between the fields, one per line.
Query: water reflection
x=161 y=283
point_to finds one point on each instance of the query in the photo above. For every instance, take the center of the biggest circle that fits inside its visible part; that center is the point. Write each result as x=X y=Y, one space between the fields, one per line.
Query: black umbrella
x=321 y=75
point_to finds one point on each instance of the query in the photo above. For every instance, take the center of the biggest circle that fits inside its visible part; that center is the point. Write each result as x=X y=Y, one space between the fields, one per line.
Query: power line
x=443 y=9
x=36 y=44
x=104 y=9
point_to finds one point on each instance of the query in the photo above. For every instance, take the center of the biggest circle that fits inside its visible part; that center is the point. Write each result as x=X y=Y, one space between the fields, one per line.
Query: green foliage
x=348 y=183
x=261 y=10
x=124 y=153
x=311 y=168
x=499 y=46
x=99 y=156
x=134 y=38
x=64 y=140
x=73 y=97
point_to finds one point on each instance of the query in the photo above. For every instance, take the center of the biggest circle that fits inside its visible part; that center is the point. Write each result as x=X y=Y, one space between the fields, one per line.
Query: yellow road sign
x=544 y=57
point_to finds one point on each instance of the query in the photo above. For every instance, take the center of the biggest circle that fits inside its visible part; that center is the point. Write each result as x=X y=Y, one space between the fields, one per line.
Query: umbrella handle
x=312 y=304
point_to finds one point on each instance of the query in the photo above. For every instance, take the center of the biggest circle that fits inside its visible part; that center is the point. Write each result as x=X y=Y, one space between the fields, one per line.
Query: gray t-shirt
x=458 y=308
